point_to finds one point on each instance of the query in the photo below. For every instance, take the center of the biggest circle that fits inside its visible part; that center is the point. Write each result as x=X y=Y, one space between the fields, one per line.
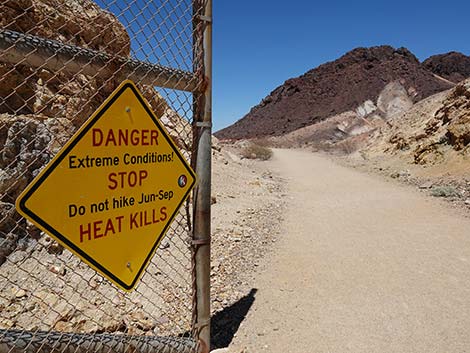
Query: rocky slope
x=452 y=66
x=431 y=132
x=427 y=146
x=334 y=88
x=345 y=131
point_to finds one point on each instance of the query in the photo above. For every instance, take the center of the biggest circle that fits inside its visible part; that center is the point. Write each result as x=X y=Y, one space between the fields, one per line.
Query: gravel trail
x=362 y=265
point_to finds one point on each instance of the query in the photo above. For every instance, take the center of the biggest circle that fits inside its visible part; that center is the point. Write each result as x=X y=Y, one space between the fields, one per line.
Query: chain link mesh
x=77 y=52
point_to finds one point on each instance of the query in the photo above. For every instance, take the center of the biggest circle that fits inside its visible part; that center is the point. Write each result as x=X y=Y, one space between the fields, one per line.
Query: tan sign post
x=113 y=190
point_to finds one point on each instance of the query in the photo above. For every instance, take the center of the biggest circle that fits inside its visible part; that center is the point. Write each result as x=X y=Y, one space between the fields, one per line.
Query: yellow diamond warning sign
x=112 y=192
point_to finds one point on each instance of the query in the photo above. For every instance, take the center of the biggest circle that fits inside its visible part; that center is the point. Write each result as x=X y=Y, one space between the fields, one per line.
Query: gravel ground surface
x=449 y=182
x=364 y=265
x=246 y=217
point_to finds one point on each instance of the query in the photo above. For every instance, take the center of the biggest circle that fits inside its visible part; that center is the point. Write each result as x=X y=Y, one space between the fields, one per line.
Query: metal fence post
x=202 y=194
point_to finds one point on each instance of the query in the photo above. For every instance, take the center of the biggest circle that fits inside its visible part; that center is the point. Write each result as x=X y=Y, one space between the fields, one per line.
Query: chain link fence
x=59 y=60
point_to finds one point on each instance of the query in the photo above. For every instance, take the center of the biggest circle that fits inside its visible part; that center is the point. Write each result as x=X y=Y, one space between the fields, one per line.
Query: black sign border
x=63 y=154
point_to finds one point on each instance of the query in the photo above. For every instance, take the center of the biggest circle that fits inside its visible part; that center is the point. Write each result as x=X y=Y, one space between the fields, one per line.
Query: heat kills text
x=147 y=217
x=101 y=228
x=105 y=228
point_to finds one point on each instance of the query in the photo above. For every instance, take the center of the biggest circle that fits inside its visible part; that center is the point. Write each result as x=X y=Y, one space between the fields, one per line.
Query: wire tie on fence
x=203 y=124
x=201 y=241
x=205 y=18
x=202 y=324
x=201 y=344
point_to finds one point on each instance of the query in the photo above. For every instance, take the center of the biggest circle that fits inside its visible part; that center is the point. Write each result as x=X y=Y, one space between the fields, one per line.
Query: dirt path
x=364 y=266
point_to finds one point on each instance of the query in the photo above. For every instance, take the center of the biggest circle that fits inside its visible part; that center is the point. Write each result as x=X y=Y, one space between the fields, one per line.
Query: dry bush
x=445 y=191
x=255 y=151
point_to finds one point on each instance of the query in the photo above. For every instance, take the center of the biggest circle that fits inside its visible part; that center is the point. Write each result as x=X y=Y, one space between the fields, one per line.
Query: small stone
x=137 y=315
x=55 y=248
x=20 y=293
x=6 y=323
x=213 y=200
x=163 y=320
x=57 y=269
x=426 y=185
x=94 y=283
x=114 y=326
x=63 y=326
x=164 y=245
x=87 y=326
x=467 y=201
x=32 y=230
x=30 y=307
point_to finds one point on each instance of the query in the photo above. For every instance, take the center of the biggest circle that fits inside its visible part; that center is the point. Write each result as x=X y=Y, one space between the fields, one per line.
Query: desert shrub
x=445 y=191
x=255 y=151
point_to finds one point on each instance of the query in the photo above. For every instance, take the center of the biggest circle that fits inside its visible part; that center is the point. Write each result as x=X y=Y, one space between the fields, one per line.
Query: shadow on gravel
x=225 y=323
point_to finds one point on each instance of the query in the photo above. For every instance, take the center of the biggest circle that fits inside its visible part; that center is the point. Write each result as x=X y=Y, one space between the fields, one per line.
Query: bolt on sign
x=112 y=191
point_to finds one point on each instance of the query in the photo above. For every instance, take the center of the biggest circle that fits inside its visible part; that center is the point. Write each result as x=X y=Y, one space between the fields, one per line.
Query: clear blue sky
x=258 y=44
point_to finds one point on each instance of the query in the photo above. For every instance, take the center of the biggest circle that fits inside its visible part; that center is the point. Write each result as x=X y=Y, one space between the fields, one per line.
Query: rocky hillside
x=337 y=87
x=433 y=131
x=347 y=131
x=452 y=66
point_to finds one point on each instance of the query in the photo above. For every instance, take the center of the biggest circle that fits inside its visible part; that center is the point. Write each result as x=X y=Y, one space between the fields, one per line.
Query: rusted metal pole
x=202 y=194
x=25 y=49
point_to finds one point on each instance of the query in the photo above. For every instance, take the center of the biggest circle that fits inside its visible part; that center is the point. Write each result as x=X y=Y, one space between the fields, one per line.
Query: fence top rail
x=13 y=341
x=26 y=49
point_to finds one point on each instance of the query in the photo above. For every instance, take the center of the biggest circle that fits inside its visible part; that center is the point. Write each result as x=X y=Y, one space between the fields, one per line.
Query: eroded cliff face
x=41 y=110
x=449 y=127
x=433 y=131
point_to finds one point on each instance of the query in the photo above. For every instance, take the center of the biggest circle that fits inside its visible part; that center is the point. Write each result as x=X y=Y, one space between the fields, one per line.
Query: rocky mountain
x=351 y=83
x=452 y=66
